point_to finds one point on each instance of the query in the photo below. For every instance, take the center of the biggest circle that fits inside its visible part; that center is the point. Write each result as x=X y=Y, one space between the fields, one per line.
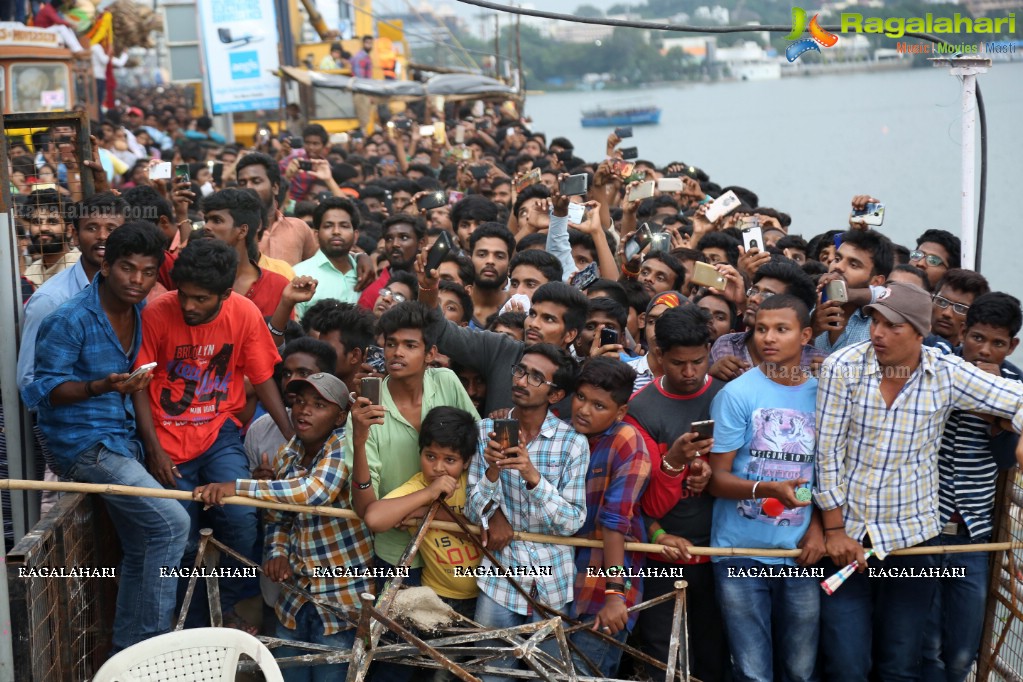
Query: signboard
x=239 y=40
x=13 y=33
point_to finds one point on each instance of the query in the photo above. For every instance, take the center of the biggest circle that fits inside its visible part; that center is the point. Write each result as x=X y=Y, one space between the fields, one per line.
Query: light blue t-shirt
x=773 y=430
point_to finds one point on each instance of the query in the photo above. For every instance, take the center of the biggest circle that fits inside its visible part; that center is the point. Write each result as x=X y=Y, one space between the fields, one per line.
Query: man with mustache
x=48 y=230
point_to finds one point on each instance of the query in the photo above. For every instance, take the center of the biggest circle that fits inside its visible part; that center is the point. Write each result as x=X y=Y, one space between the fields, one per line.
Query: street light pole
x=967 y=69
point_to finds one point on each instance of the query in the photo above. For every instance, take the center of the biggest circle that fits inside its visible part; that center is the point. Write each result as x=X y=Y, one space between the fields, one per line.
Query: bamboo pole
x=185 y=496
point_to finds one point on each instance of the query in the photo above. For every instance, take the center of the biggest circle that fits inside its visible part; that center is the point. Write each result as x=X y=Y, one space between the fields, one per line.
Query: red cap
x=135 y=111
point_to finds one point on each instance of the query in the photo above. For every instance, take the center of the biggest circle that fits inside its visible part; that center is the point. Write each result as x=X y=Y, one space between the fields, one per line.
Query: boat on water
x=626 y=116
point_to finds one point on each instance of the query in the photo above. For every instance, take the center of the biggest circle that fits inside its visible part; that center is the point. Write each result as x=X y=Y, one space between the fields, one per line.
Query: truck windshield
x=39 y=86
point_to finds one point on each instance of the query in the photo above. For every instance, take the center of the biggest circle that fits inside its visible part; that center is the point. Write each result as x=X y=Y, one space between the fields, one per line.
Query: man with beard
x=337 y=229
x=404 y=236
x=288 y=239
x=48 y=226
x=733 y=354
x=96 y=218
x=206 y=340
x=490 y=248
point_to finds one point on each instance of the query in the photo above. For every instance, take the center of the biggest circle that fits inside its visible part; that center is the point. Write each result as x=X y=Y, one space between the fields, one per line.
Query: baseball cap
x=900 y=302
x=327 y=385
x=134 y=111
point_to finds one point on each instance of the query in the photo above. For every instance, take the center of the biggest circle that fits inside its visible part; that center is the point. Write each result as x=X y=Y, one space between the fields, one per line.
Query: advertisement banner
x=240 y=45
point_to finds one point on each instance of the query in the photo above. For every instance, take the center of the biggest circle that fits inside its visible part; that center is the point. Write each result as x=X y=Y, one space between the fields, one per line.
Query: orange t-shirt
x=199 y=380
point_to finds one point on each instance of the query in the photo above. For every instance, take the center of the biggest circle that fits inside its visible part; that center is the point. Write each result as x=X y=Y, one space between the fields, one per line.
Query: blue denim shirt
x=44 y=301
x=77 y=343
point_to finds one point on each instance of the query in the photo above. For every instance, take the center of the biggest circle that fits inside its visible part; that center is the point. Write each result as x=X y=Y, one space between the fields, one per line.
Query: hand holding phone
x=181 y=173
x=575 y=185
x=506 y=432
x=707 y=276
x=752 y=238
x=629 y=153
x=144 y=369
x=369 y=388
x=643 y=190
x=160 y=171
x=608 y=336
x=703 y=429
x=623 y=132
x=432 y=200
x=440 y=249
x=722 y=206
x=375 y=359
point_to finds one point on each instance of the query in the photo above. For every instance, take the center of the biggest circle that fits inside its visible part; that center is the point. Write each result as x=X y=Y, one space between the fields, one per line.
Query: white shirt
x=100 y=59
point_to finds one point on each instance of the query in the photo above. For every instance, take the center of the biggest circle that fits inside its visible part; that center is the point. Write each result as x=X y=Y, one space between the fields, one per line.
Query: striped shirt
x=880 y=462
x=967 y=468
x=556 y=506
x=308 y=541
x=618 y=472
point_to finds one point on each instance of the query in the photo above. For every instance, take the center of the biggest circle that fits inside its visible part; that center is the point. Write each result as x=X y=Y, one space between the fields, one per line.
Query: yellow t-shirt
x=442 y=551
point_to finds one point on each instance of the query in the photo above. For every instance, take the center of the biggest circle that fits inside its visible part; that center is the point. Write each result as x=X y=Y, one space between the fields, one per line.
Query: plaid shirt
x=556 y=506
x=617 y=476
x=882 y=462
x=310 y=541
x=77 y=343
x=857 y=330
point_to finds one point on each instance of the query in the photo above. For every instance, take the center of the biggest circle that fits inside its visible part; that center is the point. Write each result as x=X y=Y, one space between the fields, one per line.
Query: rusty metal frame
x=452 y=650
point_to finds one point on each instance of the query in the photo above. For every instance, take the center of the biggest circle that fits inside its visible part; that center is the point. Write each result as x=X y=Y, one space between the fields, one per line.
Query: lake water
x=807 y=145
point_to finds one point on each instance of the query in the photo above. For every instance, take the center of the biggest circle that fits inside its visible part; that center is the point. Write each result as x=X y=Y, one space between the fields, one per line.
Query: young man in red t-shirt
x=206 y=340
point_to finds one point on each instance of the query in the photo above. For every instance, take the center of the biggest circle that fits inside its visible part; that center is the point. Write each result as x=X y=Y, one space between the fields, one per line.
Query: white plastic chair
x=196 y=655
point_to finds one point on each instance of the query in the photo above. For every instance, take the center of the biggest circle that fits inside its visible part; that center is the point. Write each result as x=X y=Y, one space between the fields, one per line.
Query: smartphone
x=659 y=242
x=643 y=190
x=459 y=135
x=432 y=200
x=629 y=153
x=564 y=156
x=623 y=132
x=426 y=131
x=207 y=189
x=479 y=171
x=873 y=214
x=707 y=276
x=585 y=277
x=530 y=178
x=575 y=185
x=217 y=170
x=622 y=169
x=638 y=241
x=160 y=171
x=440 y=249
x=403 y=124
x=670 y=185
x=507 y=432
x=722 y=206
x=576 y=213
x=181 y=173
x=835 y=291
x=703 y=430
x=305 y=165
x=455 y=197
x=357 y=134
x=752 y=238
x=295 y=142
x=608 y=336
x=370 y=388
x=375 y=359
x=144 y=369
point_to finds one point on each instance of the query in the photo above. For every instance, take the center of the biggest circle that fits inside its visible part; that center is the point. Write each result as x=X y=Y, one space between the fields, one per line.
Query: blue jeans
x=152 y=531
x=953 y=635
x=772 y=623
x=309 y=628
x=233 y=525
x=604 y=655
x=492 y=615
x=890 y=614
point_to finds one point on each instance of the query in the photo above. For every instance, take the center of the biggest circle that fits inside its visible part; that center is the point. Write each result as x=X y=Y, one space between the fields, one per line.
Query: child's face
x=439 y=460
x=313 y=416
x=594 y=410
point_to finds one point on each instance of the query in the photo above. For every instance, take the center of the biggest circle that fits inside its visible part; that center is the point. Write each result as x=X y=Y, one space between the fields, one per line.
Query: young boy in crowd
x=973 y=450
x=448 y=440
x=303 y=548
x=615 y=480
x=762 y=458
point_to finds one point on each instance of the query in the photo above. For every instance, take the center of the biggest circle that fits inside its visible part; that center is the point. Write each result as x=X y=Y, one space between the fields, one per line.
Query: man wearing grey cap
x=327 y=556
x=881 y=409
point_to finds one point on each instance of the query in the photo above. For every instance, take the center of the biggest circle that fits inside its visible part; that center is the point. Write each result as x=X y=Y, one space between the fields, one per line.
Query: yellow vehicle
x=333 y=109
x=38 y=73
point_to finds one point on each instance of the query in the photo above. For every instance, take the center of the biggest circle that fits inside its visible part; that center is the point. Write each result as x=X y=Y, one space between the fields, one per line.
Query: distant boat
x=631 y=116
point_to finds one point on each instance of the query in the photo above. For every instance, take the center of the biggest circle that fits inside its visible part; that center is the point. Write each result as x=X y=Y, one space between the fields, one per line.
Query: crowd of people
x=542 y=343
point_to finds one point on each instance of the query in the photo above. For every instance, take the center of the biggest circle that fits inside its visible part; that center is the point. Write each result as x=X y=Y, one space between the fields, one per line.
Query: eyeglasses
x=943 y=303
x=398 y=298
x=534 y=379
x=755 y=291
x=929 y=258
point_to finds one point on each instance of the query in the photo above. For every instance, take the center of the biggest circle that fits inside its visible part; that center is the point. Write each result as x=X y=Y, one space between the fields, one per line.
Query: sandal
x=233 y=620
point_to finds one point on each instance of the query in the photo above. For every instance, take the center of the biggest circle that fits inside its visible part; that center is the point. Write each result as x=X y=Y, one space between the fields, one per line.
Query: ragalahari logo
x=818 y=36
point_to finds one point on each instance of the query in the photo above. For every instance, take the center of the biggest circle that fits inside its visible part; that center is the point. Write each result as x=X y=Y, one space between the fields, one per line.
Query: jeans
x=708 y=655
x=603 y=654
x=152 y=531
x=890 y=614
x=953 y=635
x=492 y=615
x=771 y=623
x=309 y=628
x=234 y=525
